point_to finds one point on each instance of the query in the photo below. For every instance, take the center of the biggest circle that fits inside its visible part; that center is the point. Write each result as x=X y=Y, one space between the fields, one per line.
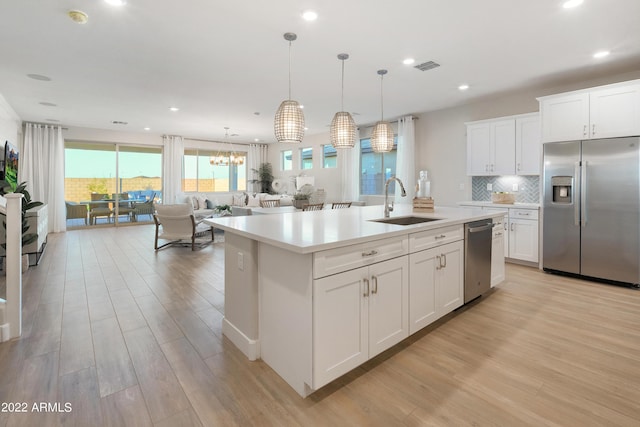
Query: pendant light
x=382 y=135
x=343 y=128
x=289 y=120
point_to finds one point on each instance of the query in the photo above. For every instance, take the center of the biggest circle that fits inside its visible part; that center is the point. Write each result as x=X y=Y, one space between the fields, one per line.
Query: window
x=306 y=158
x=329 y=156
x=286 y=160
x=376 y=168
x=199 y=174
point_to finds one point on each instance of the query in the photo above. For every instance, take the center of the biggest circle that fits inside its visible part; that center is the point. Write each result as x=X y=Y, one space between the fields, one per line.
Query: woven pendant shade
x=289 y=122
x=382 y=137
x=343 y=130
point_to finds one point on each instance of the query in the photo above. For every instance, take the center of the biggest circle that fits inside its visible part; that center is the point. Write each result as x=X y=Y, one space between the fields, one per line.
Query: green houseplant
x=27 y=204
x=264 y=177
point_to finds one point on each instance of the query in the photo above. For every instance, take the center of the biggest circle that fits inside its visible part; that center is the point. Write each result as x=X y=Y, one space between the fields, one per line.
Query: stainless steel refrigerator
x=591 y=209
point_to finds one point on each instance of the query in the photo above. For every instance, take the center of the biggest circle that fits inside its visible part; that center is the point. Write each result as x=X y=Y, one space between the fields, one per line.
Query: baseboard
x=248 y=346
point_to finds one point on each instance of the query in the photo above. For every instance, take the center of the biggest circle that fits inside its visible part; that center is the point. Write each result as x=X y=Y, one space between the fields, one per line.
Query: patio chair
x=144 y=208
x=124 y=209
x=76 y=211
x=340 y=205
x=99 y=209
x=270 y=203
x=175 y=223
x=313 y=207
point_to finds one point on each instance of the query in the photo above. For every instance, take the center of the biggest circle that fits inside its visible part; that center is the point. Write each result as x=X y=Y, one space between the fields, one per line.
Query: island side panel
x=240 y=322
x=286 y=315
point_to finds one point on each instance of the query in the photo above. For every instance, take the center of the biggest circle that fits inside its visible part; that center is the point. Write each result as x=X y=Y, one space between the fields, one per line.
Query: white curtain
x=172 y=168
x=42 y=167
x=255 y=157
x=350 y=171
x=405 y=159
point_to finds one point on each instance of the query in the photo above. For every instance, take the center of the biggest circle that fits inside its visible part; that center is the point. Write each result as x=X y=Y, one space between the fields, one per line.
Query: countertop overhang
x=312 y=231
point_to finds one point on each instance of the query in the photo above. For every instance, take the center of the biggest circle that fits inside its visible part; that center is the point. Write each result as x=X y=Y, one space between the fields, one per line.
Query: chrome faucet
x=389 y=208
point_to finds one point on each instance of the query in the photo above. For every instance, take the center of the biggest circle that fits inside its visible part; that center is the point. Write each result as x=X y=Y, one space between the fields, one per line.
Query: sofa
x=204 y=204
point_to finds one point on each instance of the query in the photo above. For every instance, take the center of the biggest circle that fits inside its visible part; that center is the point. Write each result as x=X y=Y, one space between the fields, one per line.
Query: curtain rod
x=221 y=142
x=46 y=124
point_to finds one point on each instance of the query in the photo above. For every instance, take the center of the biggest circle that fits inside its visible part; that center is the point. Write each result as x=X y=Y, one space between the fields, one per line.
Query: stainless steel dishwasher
x=477 y=258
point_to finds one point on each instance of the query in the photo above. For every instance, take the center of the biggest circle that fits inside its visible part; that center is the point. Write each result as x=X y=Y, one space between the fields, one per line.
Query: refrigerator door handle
x=583 y=193
x=577 y=192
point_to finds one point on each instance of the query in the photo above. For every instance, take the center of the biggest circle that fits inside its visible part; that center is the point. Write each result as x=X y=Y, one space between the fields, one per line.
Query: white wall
x=326 y=179
x=10 y=125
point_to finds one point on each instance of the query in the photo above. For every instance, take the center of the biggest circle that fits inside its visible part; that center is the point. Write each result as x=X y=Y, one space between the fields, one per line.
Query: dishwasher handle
x=479 y=229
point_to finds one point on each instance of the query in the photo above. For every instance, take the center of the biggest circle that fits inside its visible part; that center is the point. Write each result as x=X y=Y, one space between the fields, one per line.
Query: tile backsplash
x=528 y=187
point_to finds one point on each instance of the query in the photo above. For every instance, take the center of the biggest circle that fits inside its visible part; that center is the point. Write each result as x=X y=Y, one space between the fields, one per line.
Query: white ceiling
x=221 y=62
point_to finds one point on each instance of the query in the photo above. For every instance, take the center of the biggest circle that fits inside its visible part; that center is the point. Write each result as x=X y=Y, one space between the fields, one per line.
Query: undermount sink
x=405 y=220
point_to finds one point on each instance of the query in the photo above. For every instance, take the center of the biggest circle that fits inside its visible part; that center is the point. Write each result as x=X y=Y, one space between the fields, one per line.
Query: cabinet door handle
x=491 y=167
x=593 y=129
x=584 y=130
x=439 y=266
x=519 y=167
x=366 y=288
x=444 y=257
x=512 y=225
x=374 y=289
x=486 y=168
x=370 y=253
x=442 y=236
x=505 y=226
x=524 y=213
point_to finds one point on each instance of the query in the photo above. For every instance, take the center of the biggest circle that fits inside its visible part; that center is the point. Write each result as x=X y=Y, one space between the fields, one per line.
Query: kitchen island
x=315 y=294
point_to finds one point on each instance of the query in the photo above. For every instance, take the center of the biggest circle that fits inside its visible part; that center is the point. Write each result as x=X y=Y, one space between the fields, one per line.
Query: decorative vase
x=299 y=203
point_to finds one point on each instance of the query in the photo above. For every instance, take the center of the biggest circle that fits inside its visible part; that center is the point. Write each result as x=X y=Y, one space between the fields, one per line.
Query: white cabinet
x=602 y=112
x=436 y=280
x=528 y=145
x=504 y=146
x=497 y=255
x=523 y=234
x=491 y=148
x=356 y=315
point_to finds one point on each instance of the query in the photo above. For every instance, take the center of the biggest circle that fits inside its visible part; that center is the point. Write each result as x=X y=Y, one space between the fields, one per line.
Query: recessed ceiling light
x=408 y=61
x=309 y=15
x=601 y=54
x=48 y=104
x=39 y=77
x=463 y=87
x=147 y=128
x=301 y=106
x=571 y=3
x=78 y=16
x=256 y=139
x=306 y=128
x=116 y=2
x=174 y=109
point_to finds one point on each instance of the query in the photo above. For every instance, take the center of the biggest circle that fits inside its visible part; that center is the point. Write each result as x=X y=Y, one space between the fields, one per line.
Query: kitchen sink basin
x=405 y=220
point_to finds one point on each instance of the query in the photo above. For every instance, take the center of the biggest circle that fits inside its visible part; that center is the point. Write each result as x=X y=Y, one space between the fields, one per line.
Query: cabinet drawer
x=333 y=261
x=432 y=238
x=523 y=213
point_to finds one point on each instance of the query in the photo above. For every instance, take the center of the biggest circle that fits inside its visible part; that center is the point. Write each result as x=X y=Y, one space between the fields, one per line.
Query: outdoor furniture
x=124 y=209
x=99 y=209
x=175 y=223
x=270 y=203
x=313 y=207
x=144 y=208
x=76 y=211
x=340 y=205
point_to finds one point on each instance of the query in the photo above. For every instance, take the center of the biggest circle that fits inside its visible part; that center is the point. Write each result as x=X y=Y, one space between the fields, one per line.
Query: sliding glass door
x=111 y=183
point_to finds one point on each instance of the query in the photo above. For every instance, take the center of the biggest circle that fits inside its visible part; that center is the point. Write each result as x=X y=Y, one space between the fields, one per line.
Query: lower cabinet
x=436 y=278
x=523 y=239
x=358 y=314
x=497 y=255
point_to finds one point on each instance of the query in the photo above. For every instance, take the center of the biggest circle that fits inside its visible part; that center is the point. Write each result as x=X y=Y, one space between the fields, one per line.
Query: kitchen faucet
x=389 y=208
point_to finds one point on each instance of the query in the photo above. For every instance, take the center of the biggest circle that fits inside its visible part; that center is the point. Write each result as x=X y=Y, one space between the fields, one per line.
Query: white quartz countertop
x=501 y=205
x=312 y=231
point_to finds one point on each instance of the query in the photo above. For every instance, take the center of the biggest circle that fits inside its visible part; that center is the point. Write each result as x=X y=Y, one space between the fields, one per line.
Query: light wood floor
x=130 y=337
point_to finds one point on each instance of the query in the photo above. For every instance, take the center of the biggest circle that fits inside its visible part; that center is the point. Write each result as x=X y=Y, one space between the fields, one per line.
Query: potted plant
x=264 y=178
x=223 y=210
x=300 y=199
x=27 y=204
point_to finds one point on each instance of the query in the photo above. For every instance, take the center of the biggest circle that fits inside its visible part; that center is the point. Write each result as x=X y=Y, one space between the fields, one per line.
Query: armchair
x=76 y=211
x=144 y=208
x=175 y=223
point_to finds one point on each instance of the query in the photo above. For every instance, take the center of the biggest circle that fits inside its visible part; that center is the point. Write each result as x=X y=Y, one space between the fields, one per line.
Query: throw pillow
x=211 y=204
x=194 y=203
x=254 y=201
x=239 y=200
x=202 y=202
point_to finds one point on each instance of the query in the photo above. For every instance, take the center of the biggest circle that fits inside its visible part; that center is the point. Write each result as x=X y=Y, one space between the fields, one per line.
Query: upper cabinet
x=504 y=146
x=602 y=112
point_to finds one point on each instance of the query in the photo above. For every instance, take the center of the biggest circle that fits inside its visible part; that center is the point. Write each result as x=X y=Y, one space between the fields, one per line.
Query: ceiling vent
x=118 y=122
x=426 y=66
